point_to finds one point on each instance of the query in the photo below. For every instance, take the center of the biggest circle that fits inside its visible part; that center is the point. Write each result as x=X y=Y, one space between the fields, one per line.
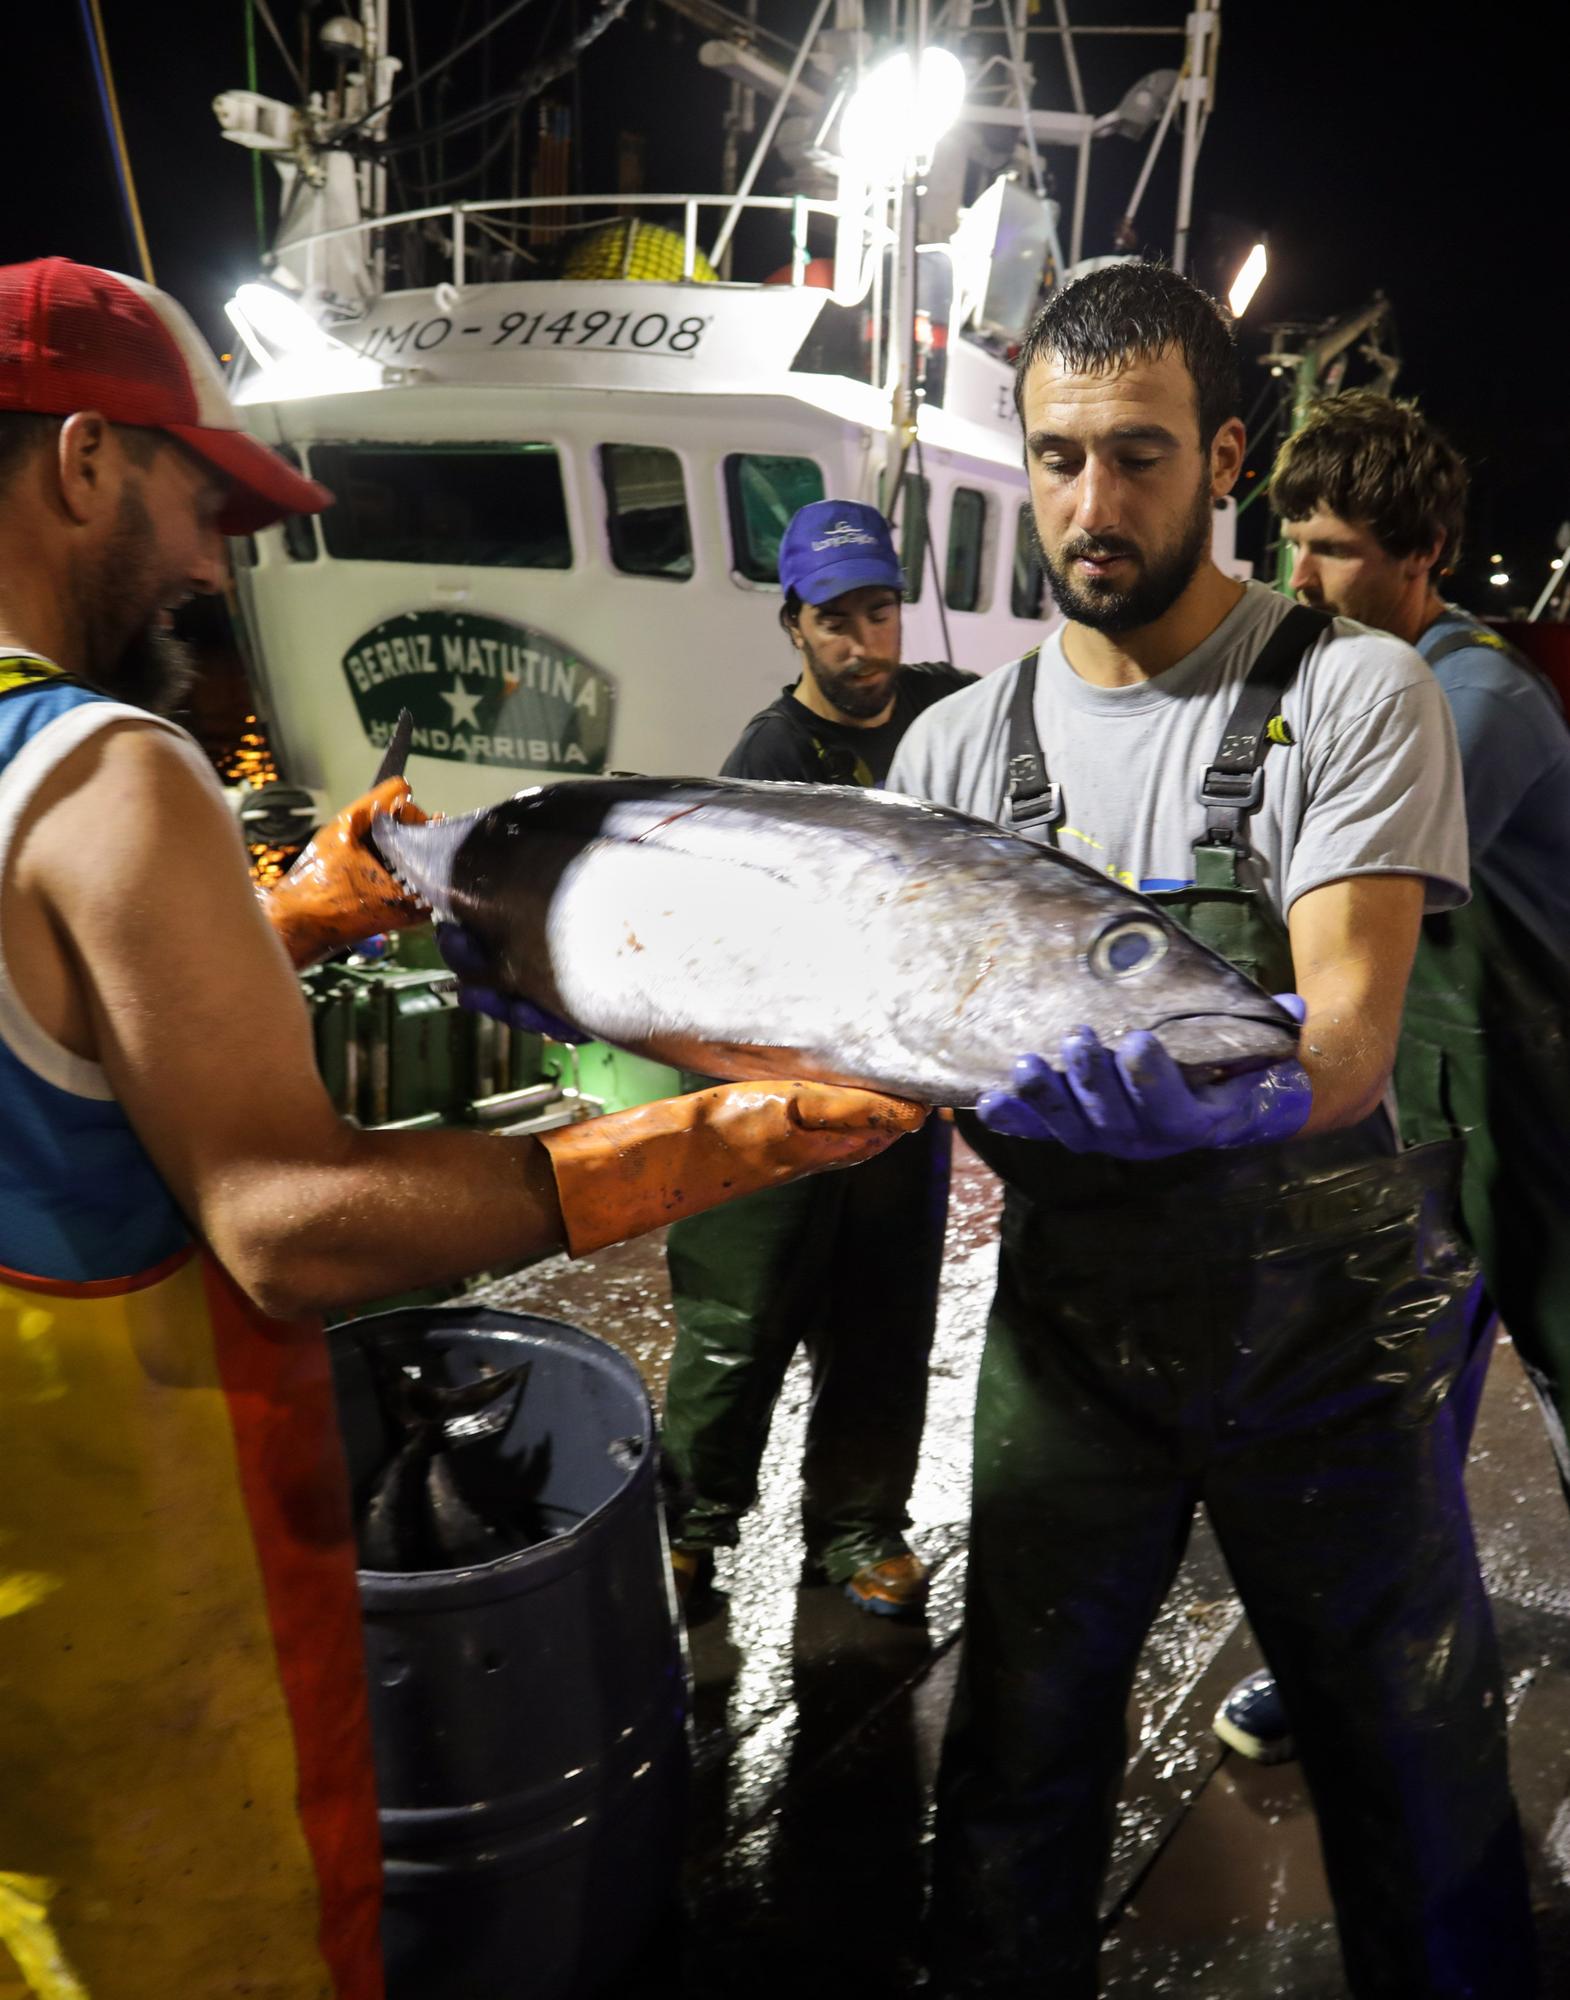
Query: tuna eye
x=1126 y=948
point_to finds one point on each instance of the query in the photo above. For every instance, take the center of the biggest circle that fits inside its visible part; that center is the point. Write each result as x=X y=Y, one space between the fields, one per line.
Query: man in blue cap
x=851 y=1271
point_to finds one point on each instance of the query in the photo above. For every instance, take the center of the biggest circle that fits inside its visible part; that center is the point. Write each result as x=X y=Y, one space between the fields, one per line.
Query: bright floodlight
x=1499 y=578
x=895 y=118
x=281 y=322
x=1247 y=281
x=248 y=335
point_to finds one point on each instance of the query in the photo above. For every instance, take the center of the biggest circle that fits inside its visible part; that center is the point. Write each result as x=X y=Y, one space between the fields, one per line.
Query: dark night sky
x=1377 y=148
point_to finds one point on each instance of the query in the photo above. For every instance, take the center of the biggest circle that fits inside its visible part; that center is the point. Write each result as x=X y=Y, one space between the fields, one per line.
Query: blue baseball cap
x=833 y=546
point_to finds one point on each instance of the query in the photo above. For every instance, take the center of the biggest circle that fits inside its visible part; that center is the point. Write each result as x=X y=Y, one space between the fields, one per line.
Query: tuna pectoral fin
x=396 y=755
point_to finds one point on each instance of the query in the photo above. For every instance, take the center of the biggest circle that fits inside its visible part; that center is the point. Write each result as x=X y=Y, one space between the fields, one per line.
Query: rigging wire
x=932 y=547
x=538 y=79
x=296 y=73
x=256 y=158
x=416 y=83
x=98 y=50
x=416 y=79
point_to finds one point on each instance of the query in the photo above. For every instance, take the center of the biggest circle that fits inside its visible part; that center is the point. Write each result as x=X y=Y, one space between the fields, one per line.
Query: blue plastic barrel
x=529 y=1712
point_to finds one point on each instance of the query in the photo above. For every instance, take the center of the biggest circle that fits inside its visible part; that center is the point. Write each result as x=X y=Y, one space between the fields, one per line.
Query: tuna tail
x=422 y=856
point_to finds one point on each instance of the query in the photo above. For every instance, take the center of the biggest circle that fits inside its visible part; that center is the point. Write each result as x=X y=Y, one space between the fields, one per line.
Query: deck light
x=285 y=325
x=1499 y=577
x=293 y=355
x=897 y=114
x=1247 y=281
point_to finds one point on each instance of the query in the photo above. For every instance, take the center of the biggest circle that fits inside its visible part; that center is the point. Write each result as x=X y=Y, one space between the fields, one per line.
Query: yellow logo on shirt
x=21 y=669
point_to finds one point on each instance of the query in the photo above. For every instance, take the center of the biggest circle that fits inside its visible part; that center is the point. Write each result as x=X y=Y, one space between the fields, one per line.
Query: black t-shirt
x=788 y=743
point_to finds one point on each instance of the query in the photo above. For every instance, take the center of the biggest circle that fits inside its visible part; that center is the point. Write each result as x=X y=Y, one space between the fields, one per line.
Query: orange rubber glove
x=338 y=892
x=635 y=1170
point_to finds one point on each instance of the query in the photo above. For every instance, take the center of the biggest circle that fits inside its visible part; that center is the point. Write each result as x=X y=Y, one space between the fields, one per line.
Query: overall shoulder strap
x=1032 y=796
x=1464 y=634
x=1233 y=786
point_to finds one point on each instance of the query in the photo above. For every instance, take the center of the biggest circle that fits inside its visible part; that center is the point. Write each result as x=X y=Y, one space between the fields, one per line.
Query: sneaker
x=893 y=1588
x=1253 y=1721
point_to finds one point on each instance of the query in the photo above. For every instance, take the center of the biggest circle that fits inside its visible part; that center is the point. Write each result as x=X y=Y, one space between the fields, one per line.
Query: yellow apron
x=187 y=1803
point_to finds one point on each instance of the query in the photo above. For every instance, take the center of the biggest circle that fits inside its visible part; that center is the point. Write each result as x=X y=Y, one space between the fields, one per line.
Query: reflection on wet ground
x=817 y=1727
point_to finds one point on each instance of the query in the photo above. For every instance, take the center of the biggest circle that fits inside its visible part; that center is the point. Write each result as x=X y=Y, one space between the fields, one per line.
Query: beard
x=1159 y=580
x=154 y=671
x=148 y=667
x=850 y=691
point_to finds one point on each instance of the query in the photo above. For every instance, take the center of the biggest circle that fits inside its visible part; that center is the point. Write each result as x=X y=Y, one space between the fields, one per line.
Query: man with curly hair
x=1372 y=498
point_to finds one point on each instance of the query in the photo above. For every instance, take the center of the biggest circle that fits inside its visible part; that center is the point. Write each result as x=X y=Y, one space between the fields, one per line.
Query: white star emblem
x=464 y=706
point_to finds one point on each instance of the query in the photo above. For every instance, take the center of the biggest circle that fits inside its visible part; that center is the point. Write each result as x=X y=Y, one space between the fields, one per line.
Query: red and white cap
x=76 y=338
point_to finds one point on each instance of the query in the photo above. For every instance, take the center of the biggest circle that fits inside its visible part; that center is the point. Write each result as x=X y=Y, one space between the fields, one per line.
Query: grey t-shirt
x=1369 y=785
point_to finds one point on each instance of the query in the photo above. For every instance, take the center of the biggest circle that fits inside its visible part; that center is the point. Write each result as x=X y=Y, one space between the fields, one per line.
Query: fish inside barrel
x=439 y=1500
x=751 y=930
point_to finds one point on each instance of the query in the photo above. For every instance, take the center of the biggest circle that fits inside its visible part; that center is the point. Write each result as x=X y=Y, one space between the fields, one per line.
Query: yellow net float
x=628 y=248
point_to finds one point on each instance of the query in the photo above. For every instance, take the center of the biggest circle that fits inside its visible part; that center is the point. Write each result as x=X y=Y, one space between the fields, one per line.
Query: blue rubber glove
x=478 y=991
x=1134 y=1103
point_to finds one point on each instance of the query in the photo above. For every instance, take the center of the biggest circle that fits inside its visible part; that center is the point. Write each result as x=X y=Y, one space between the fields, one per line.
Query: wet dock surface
x=817 y=1727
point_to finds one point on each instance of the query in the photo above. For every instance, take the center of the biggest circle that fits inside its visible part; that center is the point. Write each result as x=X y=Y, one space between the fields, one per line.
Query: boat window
x=299 y=530
x=482 y=506
x=646 y=510
x=1027 y=591
x=763 y=492
x=967 y=528
x=910 y=517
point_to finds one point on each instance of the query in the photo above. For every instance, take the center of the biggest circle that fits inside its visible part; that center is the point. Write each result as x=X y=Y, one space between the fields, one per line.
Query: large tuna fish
x=750 y=930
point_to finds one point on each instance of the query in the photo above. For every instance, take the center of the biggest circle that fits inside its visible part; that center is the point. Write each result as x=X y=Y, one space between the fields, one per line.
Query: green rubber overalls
x=1271 y=1331
x=845 y=1265
x=1485 y=1058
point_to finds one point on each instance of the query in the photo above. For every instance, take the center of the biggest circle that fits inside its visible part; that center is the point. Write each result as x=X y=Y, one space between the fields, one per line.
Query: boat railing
x=461 y=214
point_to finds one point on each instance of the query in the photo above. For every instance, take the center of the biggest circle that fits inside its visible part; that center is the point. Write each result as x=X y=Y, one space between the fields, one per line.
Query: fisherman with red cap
x=186 y=1798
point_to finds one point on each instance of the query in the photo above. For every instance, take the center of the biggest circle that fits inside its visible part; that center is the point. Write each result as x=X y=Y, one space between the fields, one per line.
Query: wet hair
x=1380 y=464
x=790 y=611
x=1138 y=312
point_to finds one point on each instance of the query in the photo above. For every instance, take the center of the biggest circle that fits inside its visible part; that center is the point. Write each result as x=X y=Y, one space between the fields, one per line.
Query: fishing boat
x=559 y=498
x=561 y=474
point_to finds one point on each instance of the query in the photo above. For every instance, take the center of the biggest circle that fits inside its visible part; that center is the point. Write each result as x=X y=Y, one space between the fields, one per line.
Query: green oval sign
x=481 y=691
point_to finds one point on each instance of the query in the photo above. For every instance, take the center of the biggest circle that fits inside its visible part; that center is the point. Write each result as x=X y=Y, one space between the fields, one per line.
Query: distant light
x=226 y=357
x=1247 y=281
x=895 y=117
x=1496 y=560
x=1278 y=371
x=1557 y=563
x=1499 y=578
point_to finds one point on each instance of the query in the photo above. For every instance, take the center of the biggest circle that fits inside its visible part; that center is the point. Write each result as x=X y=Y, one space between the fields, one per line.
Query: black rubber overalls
x=1271 y=1331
